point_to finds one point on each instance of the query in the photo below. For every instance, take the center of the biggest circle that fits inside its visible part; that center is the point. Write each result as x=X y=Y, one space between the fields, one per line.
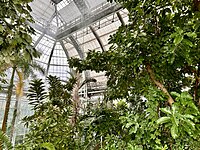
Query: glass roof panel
x=88 y=41
x=42 y=11
x=70 y=12
x=59 y=65
x=62 y=4
x=95 y=3
x=36 y=36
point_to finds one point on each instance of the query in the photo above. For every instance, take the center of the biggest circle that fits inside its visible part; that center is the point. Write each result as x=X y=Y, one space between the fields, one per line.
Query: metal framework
x=56 y=1
x=97 y=37
x=39 y=39
x=81 y=5
x=50 y=57
x=64 y=48
x=77 y=47
x=63 y=33
x=45 y=30
x=61 y=30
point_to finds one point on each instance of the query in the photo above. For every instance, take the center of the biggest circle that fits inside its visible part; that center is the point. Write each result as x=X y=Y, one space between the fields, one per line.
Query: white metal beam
x=77 y=47
x=50 y=57
x=63 y=33
x=97 y=37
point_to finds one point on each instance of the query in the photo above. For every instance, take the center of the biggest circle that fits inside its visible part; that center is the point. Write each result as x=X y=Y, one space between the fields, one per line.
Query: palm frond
x=38 y=67
x=29 y=68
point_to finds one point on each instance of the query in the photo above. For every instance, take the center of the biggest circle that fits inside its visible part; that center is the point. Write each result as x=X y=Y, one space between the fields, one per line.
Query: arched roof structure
x=70 y=28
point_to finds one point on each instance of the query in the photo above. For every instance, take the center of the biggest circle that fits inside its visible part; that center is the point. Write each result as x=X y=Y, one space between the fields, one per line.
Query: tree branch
x=170 y=100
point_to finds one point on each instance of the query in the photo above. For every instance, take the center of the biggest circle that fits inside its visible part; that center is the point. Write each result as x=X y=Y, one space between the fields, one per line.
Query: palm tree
x=8 y=100
x=27 y=56
x=19 y=64
x=26 y=71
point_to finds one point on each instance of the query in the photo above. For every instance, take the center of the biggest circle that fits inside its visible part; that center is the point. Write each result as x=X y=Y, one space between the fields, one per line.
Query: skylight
x=62 y=4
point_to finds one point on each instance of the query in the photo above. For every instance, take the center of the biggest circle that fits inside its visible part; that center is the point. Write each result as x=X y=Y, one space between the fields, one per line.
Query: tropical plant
x=19 y=66
x=154 y=56
x=76 y=76
x=151 y=61
x=24 y=70
x=52 y=114
x=8 y=100
x=97 y=123
x=55 y=112
x=15 y=37
x=4 y=141
x=15 y=40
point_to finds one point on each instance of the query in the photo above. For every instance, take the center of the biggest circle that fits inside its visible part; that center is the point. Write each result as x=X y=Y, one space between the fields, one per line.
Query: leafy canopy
x=155 y=55
x=15 y=32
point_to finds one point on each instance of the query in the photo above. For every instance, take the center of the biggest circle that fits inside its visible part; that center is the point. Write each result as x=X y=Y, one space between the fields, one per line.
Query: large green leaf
x=48 y=146
x=4 y=141
x=163 y=120
x=174 y=131
x=166 y=110
x=1 y=40
x=1 y=28
x=178 y=39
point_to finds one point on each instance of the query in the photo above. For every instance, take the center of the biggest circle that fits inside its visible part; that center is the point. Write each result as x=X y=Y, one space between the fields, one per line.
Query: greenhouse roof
x=70 y=28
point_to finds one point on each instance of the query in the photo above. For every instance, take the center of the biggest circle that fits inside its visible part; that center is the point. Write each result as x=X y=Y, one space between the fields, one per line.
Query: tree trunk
x=14 y=118
x=76 y=100
x=19 y=93
x=8 y=100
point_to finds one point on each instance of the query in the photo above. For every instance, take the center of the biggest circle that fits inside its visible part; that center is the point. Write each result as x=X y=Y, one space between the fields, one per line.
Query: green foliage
x=15 y=37
x=61 y=95
x=4 y=141
x=160 y=34
x=37 y=93
x=155 y=56
x=48 y=146
x=97 y=123
x=50 y=124
x=16 y=49
x=183 y=118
